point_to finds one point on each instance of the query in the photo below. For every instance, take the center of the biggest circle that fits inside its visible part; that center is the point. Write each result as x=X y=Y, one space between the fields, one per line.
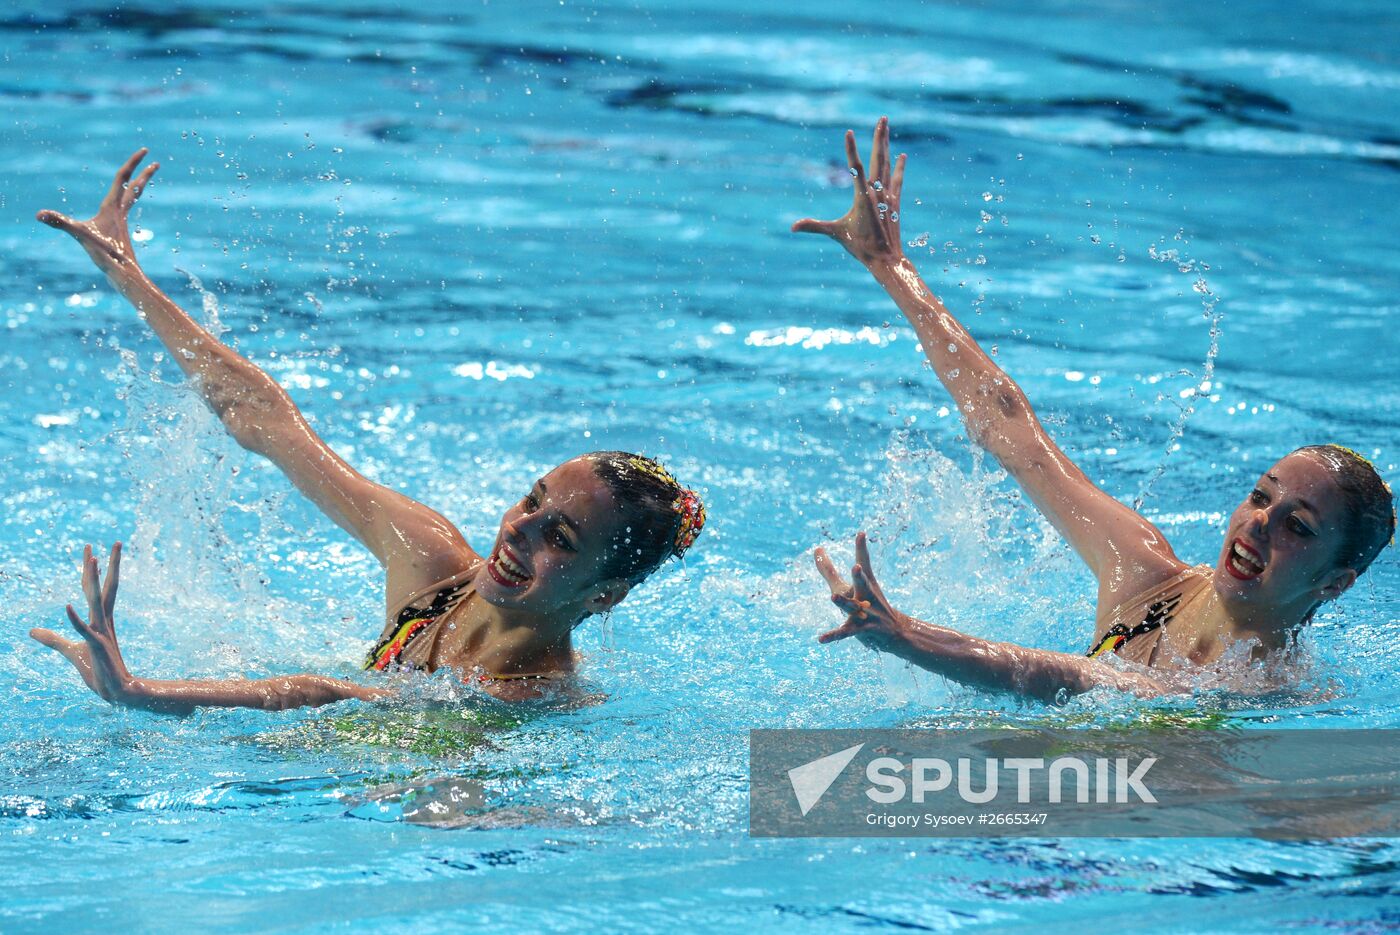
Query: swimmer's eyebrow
x=1305 y=504
x=568 y=520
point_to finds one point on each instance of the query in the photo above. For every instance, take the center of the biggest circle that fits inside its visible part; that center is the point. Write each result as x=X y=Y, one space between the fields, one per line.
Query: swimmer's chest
x=1167 y=622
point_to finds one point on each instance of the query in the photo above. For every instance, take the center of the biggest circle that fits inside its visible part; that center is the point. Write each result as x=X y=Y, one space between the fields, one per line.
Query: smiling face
x=1280 y=555
x=550 y=553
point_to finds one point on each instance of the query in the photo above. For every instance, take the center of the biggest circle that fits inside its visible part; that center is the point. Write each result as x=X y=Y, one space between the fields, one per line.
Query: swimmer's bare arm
x=1124 y=550
x=418 y=546
x=987 y=664
x=98 y=659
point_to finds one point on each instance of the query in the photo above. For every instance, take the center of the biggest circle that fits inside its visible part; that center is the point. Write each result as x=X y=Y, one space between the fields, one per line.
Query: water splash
x=1188 y=400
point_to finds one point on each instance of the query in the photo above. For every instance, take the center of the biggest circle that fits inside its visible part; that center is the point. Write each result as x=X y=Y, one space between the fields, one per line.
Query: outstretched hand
x=868 y=613
x=870 y=230
x=105 y=236
x=97 y=657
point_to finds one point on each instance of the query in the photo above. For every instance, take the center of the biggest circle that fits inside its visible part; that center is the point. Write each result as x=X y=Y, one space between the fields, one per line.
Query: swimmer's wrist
x=152 y=695
x=889 y=633
x=900 y=627
x=895 y=270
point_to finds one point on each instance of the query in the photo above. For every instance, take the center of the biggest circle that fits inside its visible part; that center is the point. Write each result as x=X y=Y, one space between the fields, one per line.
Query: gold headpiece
x=687 y=505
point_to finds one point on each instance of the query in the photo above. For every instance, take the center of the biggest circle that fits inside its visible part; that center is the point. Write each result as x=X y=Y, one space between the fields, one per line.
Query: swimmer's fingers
x=848 y=629
x=862 y=575
x=834 y=228
x=897 y=182
x=74 y=651
x=85 y=631
x=92 y=590
x=813 y=226
x=853 y=606
x=134 y=190
x=115 y=194
x=828 y=571
x=61 y=222
x=880 y=153
x=109 y=587
x=853 y=160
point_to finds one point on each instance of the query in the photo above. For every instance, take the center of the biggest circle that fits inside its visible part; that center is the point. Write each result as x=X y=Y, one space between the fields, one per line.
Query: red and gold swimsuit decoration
x=412 y=621
x=1158 y=615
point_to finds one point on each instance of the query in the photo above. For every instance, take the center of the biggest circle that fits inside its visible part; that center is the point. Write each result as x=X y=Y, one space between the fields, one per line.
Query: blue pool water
x=475 y=240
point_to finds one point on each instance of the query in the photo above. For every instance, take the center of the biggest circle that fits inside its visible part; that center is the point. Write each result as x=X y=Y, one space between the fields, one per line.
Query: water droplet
x=877 y=185
x=853 y=173
x=1095 y=238
x=986 y=196
x=894 y=216
x=952 y=348
x=882 y=207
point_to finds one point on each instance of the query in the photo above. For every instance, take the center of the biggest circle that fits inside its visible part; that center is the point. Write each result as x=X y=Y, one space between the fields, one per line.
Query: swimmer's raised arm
x=417 y=545
x=1034 y=673
x=98 y=659
x=1120 y=546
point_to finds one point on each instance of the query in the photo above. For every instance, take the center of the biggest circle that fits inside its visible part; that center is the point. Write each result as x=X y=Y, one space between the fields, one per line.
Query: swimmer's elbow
x=249 y=403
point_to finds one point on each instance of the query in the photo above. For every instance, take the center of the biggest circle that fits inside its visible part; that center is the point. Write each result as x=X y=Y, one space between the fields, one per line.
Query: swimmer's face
x=549 y=554
x=1281 y=545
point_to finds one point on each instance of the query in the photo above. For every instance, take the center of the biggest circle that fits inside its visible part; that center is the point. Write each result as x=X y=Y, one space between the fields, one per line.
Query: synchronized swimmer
x=578 y=541
x=1310 y=526
x=598 y=525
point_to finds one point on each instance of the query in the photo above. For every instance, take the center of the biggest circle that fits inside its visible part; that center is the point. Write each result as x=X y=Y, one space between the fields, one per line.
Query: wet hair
x=1369 y=523
x=660 y=518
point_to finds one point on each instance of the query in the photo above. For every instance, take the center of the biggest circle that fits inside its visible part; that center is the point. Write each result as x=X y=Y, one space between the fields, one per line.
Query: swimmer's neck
x=495 y=641
x=1271 y=629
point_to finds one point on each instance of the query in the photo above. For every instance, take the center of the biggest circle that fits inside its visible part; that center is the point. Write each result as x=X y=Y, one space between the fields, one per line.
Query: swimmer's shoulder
x=1128 y=590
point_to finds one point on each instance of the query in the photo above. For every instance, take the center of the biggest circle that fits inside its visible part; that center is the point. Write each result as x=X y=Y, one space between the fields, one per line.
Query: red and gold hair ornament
x=692 y=513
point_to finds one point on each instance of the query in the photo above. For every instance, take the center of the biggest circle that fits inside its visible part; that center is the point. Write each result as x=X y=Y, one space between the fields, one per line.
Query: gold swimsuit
x=1135 y=627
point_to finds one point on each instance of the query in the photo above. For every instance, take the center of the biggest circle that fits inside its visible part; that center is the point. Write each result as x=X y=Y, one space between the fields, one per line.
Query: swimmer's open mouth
x=506 y=570
x=1243 y=562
